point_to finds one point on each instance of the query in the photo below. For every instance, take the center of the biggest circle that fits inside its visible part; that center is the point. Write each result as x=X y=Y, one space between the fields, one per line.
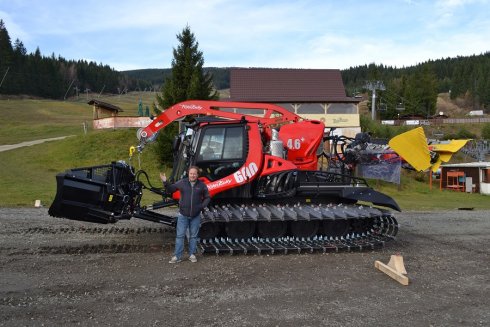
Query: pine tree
x=428 y=91
x=421 y=92
x=6 y=54
x=19 y=64
x=187 y=82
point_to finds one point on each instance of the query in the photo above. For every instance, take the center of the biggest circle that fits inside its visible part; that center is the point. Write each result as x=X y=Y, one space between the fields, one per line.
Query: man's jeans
x=183 y=223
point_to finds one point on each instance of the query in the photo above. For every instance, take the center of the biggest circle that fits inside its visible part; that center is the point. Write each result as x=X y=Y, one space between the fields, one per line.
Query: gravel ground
x=61 y=272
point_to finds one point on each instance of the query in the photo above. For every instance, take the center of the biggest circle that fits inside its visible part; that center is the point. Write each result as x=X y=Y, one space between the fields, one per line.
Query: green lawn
x=28 y=173
x=30 y=119
x=417 y=196
x=25 y=120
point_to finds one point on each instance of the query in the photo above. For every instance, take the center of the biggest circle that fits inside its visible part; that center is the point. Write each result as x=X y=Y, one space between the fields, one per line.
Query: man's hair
x=194 y=167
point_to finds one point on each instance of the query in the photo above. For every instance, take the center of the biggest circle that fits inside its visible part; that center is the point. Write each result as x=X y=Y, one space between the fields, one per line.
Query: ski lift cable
x=404 y=100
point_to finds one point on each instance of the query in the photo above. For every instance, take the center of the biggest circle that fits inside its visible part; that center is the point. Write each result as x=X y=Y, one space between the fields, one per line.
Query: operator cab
x=220 y=150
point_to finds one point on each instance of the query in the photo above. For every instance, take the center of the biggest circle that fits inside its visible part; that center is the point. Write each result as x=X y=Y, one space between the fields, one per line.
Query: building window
x=342 y=108
x=259 y=112
x=486 y=175
x=287 y=106
x=311 y=108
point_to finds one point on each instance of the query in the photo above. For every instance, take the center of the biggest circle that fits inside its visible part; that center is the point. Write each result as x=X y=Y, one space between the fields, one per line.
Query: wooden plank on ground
x=396 y=275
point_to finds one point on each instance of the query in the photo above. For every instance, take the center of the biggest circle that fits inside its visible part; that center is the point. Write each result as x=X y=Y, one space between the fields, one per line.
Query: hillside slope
x=458 y=108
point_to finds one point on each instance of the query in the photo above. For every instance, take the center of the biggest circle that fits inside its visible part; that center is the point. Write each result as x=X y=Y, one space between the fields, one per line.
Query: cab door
x=221 y=150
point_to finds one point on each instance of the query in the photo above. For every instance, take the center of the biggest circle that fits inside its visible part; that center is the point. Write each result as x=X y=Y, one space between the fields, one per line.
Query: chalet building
x=106 y=115
x=311 y=93
x=103 y=109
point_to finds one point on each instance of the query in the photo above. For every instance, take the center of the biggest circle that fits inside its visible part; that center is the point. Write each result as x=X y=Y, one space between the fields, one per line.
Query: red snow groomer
x=259 y=162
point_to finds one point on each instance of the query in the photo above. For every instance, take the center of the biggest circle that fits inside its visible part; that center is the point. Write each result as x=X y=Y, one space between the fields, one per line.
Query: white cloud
x=15 y=30
x=253 y=33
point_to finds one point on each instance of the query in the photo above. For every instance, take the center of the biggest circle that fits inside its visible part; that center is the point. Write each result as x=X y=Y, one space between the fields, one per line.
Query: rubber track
x=383 y=229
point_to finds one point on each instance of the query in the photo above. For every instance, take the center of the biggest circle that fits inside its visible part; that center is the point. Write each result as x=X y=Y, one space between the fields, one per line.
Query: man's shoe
x=174 y=260
x=193 y=258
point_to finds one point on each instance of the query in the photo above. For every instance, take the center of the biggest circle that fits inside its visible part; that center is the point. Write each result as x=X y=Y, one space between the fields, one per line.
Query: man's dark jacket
x=192 y=198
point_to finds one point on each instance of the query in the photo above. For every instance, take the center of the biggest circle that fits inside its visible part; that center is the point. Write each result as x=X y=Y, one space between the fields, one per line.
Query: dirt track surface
x=61 y=272
x=29 y=143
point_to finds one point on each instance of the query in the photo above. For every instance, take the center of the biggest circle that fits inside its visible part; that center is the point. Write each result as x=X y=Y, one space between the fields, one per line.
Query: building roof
x=287 y=85
x=104 y=105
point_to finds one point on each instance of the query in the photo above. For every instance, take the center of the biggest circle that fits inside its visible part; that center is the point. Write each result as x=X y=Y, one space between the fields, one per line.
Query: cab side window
x=212 y=144
x=233 y=148
x=221 y=151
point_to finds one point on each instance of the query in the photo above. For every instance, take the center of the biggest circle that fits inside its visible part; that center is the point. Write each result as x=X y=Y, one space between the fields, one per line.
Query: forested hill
x=53 y=76
x=467 y=77
x=157 y=76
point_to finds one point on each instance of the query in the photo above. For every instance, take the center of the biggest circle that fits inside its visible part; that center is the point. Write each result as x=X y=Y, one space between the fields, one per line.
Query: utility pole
x=102 y=90
x=4 y=76
x=64 y=98
x=373 y=86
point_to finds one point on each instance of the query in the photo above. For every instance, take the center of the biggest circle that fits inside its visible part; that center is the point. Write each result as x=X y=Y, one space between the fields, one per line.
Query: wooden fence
x=436 y=121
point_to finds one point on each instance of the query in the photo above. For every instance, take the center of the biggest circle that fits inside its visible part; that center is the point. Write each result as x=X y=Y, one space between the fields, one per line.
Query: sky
x=319 y=34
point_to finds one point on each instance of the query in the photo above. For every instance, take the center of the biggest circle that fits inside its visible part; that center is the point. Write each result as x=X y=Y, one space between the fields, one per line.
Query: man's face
x=192 y=174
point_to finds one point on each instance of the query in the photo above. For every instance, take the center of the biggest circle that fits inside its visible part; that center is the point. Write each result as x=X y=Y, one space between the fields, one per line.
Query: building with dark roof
x=311 y=93
x=287 y=85
x=104 y=109
x=106 y=115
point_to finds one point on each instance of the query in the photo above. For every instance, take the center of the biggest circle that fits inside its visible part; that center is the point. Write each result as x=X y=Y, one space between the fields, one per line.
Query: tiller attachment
x=102 y=194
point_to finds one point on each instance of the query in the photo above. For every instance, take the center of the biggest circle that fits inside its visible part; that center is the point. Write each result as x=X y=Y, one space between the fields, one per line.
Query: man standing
x=194 y=196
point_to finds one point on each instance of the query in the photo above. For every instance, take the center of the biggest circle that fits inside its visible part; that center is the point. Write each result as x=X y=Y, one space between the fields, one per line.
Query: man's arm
x=171 y=188
x=206 y=197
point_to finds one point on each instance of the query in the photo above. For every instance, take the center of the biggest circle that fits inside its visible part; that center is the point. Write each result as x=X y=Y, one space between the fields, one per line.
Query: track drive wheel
x=209 y=230
x=240 y=230
x=337 y=227
x=271 y=229
x=362 y=225
x=304 y=228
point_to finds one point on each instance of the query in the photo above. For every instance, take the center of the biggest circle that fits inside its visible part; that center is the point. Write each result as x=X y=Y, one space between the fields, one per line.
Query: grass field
x=28 y=174
x=32 y=119
x=413 y=194
x=25 y=120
